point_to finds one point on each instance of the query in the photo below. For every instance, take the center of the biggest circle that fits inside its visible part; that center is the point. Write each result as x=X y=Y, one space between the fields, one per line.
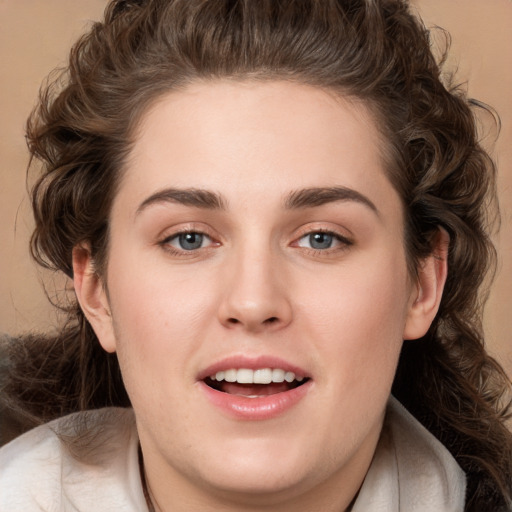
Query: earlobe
x=92 y=297
x=429 y=289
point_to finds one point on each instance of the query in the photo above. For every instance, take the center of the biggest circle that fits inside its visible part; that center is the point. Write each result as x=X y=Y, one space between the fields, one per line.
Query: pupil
x=190 y=241
x=320 y=240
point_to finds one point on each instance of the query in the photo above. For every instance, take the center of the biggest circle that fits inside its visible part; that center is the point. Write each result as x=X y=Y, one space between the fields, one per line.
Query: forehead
x=254 y=138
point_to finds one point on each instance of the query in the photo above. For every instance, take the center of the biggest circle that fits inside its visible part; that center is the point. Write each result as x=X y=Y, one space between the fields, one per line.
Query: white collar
x=411 y=470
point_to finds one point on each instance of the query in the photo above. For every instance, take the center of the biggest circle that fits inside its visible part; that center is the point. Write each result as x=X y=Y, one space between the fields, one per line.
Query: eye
x=189 y=241
x=317 y=241
x=321 y=241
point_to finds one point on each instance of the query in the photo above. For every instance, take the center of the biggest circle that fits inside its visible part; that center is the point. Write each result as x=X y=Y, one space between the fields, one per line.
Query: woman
x=258 y=202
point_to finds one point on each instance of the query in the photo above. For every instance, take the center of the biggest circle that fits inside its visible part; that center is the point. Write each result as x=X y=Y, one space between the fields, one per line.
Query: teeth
x=259 y=376
x=230 y=375
x=262 y=376
x=277 y=375
x=244 y=376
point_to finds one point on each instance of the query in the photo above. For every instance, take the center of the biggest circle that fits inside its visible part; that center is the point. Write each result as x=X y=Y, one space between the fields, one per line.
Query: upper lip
x=251 y=363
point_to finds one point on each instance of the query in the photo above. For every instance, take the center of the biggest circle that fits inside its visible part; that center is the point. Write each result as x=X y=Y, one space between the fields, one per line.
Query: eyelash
x=174 y=251
x=344 y=243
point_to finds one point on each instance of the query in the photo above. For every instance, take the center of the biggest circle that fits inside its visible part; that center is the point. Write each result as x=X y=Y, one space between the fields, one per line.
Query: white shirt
x=411 y=470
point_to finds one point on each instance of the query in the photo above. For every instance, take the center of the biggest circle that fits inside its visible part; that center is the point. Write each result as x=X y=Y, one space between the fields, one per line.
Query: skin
x=257 y=287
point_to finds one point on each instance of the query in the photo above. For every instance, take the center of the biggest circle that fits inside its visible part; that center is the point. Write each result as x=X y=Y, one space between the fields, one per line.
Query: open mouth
x=254 y=383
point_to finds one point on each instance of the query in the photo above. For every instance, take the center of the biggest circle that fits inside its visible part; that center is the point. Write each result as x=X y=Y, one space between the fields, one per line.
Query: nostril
x=253 y=323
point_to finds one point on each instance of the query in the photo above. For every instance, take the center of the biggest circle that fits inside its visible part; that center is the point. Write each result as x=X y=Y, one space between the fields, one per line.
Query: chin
x=259 y=487
x=261 y=472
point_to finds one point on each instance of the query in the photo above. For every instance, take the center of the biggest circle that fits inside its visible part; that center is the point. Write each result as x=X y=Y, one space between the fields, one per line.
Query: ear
x=428 y=290
x=92 y=296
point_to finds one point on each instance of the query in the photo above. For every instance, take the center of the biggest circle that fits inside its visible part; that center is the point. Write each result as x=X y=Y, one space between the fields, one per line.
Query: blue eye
x=189 y=241
x=320 y=240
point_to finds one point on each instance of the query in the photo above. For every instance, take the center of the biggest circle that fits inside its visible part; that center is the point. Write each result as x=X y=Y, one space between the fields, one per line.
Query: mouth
x=261 y=382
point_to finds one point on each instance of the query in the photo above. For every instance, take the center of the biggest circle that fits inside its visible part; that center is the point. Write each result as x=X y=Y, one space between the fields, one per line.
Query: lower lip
x=256 y=409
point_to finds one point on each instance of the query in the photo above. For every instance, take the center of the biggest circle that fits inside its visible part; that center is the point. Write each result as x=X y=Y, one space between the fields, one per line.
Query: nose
x=255 y=296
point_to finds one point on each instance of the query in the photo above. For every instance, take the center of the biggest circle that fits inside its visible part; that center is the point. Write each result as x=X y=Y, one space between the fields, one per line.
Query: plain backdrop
x=35 y=36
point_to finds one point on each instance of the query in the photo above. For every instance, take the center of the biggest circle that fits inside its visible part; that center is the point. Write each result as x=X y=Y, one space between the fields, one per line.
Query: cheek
x=158 y=320
x=152 y=296
x=360 y=316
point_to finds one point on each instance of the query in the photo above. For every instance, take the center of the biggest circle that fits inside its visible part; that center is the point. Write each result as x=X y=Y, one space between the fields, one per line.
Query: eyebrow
x=303 y=198
x=198 y=198
x=318 y=196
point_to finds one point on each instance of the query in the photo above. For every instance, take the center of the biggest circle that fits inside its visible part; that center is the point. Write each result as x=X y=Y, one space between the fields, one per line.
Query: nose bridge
x=254 y=296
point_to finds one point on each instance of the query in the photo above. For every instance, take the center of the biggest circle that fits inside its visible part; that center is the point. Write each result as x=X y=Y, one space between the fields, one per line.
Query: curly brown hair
x=372 y=50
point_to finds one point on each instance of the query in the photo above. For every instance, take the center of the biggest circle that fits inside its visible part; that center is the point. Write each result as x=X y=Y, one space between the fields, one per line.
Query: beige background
x=35 y=36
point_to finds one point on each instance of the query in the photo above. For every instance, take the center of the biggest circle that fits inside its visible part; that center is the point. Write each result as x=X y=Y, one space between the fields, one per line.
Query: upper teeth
x=260 y=376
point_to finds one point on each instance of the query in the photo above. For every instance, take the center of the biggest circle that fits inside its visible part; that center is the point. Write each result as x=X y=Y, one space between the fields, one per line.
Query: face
x=258 y=292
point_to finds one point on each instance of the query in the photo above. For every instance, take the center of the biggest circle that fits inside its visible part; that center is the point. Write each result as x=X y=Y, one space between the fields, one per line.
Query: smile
x=254 y=383
x=254 y=389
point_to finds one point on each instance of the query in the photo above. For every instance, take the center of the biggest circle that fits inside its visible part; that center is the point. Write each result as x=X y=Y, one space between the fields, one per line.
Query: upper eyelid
x=191 y=227
x=343 y=234
x=327 y=231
